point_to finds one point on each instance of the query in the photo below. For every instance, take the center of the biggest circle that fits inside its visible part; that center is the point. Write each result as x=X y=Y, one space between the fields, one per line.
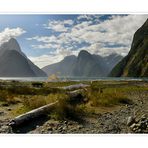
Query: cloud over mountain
x=98 y=34
x=9 y=33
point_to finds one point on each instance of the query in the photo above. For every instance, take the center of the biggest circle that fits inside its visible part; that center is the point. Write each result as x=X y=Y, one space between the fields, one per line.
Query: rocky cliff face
x=14 y=63
x=135 y=64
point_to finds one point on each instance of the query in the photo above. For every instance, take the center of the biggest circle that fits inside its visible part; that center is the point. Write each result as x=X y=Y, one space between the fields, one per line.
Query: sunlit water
x=43 y=79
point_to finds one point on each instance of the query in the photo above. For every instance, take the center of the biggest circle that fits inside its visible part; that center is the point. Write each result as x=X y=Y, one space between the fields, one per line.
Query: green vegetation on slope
x=135 y=64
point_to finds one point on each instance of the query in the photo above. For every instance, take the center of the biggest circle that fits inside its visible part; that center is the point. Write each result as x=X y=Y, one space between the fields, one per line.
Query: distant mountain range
x=14 y=63
x=84 y=65
x=135 y=64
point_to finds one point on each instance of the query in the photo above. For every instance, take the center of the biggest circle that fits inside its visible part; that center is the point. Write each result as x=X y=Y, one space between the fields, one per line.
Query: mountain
x=88 y=65
x=14 y=63
x=62 y=68
x=84 y=65
x=135 y=64
x=112 y=60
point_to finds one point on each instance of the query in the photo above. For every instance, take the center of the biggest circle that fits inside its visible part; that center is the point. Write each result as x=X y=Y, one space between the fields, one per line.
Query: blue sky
x=47 y=39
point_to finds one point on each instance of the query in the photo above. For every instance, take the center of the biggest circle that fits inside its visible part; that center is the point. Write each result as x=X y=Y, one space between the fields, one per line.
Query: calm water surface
x=43 y=79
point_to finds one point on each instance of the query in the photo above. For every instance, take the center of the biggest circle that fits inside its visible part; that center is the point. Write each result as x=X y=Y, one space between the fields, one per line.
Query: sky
x=47 y=39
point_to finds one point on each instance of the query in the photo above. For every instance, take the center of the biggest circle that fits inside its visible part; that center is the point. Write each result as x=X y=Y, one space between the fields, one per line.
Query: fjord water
x=43 y=79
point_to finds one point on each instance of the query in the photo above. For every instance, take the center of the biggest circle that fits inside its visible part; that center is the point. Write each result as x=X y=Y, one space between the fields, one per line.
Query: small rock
x=130 y=120
x=101 y=123
x=5 y=104
x=143 y=117
x=133 y=126
x=138 y=125
x=49 y=129
x=139 y=131
x=51 y=124
x=80 y=126
x=143 y=125
x=65 y=122
x=134 y=129
x=4 y=127
x=9 y=109
x=70 y=123
x=64 y=128
x=1 y=112
x=60 y=128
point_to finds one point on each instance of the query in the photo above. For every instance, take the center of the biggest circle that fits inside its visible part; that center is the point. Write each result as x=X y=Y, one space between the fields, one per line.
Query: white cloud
x=89 y=17
x=117 y=30
x=105 y=51
x=44 y=39
x=8 y=33
x=68 y=22
x=58 y=26
x=46 y=46
x=104 y=37
x=44 y=60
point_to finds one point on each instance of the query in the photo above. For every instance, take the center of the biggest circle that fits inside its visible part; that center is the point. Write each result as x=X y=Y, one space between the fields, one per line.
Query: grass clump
x=8 y=97
x=66 y=110
x=27 y=90
x=107 y=98
x=36 y=101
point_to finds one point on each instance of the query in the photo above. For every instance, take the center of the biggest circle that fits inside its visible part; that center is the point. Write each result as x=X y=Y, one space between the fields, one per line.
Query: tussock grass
x=108 y=99
x=8 y=97
x=66 y=110
x=26 y=90
x=101 y=95
x=40 y=100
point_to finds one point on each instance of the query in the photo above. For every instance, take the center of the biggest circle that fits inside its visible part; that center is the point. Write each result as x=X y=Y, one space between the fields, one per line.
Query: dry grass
x=8 y=97
x=99 y=95
x=66 y=110
x=108 y=99
x=40 y=100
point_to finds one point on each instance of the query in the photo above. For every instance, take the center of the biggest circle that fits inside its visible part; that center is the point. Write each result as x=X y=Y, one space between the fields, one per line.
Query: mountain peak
x=11 y=44
x=12 y=40
x=14 y=62
x=84 y=53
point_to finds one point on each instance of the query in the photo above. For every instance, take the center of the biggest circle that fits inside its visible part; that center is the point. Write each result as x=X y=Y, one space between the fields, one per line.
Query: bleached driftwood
x=32 y=114
x=76 y=86
x=74 y=97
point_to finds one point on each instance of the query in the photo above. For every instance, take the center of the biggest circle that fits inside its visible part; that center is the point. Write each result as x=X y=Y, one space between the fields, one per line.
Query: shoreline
x=76 y=79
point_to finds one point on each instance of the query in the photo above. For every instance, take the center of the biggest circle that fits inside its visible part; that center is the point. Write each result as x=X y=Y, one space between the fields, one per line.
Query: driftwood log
x=76 y=86
x=32 y=114
x=74 y=97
